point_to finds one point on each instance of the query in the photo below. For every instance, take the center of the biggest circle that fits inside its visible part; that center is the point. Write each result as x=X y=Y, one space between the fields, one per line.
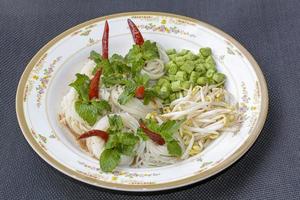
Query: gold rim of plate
x=144 y=187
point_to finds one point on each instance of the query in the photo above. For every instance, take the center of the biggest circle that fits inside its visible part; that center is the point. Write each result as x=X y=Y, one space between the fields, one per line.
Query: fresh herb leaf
x=127 y=138
x=81 y=85
x=112 y=141
x=96 y=57
x=137 y=55
x=149 y=50
x=152 y=125
x=90 y=111
x=109 y=160
x=140 y=133
x=142 y=79
x=119 y=65
x=87 y=112
x=115 y=79
x=174 y=148
x=127 y=150
x=105 y=65
x=128 y=92
x=149 y=95
x=101 y=105
x=115 y=123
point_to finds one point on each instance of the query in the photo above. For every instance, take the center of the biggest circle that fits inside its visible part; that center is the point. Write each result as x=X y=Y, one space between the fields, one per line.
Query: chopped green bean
x=171 y=51
x=194 y=76
x=202 y=81
x=188 y=66
x=176 y=86
x=205 y=51
x=172 y=96
x=173 y=69
x=210 y=73
x=219 y=77
x=164 y=92
x=200 y=68
x=181 y=76
x=183 y=52
x=186 y=84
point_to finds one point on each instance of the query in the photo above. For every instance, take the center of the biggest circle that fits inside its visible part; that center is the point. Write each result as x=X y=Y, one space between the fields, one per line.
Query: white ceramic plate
x=46 y=78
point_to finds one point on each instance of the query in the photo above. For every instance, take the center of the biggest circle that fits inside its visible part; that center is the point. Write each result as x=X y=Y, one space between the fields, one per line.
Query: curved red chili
x=105 y=41
x=152 y=135
x=99 y=133
x=94 y=85
x=135 y=32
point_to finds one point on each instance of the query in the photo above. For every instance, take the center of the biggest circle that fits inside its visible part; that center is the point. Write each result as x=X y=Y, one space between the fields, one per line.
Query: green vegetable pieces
x=138 y=54
x=166 y=130
x=88 y=110
x=119 y=143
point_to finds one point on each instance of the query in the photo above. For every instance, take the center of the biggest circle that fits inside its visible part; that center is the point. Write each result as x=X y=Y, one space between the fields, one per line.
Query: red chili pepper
x=152 y=135
x=94 y=85
x=139 y=92
x=105 y=41
x=99 y=133
x=136 y=34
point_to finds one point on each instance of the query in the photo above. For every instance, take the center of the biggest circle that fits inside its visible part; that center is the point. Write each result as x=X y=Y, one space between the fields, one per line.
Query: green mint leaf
x=152 y=125
x=101 y=106
x=142 y=79
x=149 y=50
x=115 y=79
x=105 y=65
x=82 y=85
x=128 y=93
x=127 y=150
x=127 y=138
x=90 y=111
x=115 y=123
x=174 y=148
x=168 y=128
x=109 y=160
x=149 y=95
x=87 y=112
x=140 y=133
x=96 y=57
x=112 y=141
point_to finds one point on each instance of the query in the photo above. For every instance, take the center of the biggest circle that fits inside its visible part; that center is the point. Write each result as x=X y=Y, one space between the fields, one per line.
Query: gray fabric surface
x=269 y=29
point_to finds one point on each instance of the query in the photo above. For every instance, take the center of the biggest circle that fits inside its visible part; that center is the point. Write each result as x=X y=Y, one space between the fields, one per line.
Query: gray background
x=270 y=30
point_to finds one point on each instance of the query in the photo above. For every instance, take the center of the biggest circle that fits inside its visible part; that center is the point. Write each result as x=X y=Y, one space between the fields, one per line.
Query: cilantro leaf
x=174 y=148
x=81 y=85
x=109 y=160
x=90 y=111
